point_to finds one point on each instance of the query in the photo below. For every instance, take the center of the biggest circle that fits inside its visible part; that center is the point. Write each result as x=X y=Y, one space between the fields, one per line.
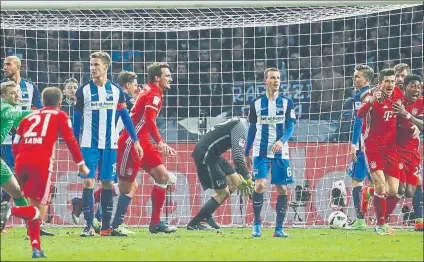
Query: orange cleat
x=106 y=232
x=419 y=225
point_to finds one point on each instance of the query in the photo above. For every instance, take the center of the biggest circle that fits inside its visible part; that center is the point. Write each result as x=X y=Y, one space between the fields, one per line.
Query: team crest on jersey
x=400 y=165
x=357 y=104
x=129 y=171
x=373 y=165
x=414 y=111
x=242 y=143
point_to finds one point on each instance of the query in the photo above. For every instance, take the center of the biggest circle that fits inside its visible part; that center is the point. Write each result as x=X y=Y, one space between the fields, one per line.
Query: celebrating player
x=128 y=81
x=33 y=147
x=272 y=119
x=98 y=101
x=361 y=79
x=408 y=147
x=380 y=146
x=143 y=115
x=10 y=117
x=215 y=172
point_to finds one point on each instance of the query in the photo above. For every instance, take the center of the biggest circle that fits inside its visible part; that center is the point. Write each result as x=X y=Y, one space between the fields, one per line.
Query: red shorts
x=409 y=165
x=34 y=176
x=128 y=164
x=386 y=159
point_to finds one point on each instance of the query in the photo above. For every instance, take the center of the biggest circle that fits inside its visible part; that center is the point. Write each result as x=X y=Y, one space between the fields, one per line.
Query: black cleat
x=196 y=227
x=162 y=227
x=211 y=222
x=46 y=233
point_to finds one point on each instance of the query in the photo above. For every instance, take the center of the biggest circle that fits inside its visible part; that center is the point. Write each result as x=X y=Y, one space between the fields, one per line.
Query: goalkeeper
x=215 y=172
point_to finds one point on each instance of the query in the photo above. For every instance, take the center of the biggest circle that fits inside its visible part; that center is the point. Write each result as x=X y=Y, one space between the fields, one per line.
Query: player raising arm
x=33 y=147
x=98 y=102
x=380 y=147
x=215 y=172
x=408 y=147
x=143 y=116
x=272 y=120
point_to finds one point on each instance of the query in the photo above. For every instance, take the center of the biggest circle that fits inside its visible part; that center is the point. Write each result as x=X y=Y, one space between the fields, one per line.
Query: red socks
x=34 y=233
x=380 y=209
x=391 y=203
x=26 y=212
x=158 y=199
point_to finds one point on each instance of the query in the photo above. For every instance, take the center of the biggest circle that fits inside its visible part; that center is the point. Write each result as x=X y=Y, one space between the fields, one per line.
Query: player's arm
x=357 y=125
x=78 y=111
x=238 y=138
x=368 y=102
x=400 y=110
x=17 y=139
x=15 y=115
x=251 y=133
x=36 y=98
x=289 y=128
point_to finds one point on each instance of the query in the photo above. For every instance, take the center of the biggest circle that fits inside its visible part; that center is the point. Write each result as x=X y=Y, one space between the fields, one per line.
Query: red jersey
x=144 y=114
x=380 y=122
x=404 y=138
x=37 y=133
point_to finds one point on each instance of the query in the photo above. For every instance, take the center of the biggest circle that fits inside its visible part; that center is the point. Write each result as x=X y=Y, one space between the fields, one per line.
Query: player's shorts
x=5 y=172
x=103 y=159
x=212 y=174
x=280 y=170
x=358 y=169
x=34 y=176
x=151 y=156
x=409 y=165
x=7 y=156
x=386 y=159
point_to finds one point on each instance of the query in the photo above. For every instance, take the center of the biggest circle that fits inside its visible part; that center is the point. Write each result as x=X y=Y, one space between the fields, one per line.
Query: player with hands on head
x=33 y=147
x=272 y=119
x=215 y=172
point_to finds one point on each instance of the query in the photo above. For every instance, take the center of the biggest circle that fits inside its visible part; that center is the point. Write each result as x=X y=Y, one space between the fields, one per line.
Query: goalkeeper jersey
x=10 y=117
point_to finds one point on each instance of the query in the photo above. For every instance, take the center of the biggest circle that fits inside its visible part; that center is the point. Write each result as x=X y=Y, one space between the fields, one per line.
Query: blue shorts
x=358 y=170
x=7 y=156
x=280 y=170
x=104 y=159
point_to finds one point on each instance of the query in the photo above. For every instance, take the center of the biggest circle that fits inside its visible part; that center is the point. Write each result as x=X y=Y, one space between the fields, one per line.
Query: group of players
x=385 y=144
x=115 y=153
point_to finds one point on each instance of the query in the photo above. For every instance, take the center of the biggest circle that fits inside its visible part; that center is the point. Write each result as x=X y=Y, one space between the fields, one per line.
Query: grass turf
x=225 y=244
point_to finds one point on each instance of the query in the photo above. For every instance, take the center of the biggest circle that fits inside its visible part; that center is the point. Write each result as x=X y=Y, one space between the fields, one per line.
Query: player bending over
x=33 y=147
x=362 y=78
x=98 y=102
x=143 y=116
x=408 y=147
x=272 y=119
x=10 y=117
x=215 y=172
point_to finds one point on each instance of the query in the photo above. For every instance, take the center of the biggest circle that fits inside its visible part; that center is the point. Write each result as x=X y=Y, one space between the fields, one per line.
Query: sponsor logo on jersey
x=101 y=105
x=272 y=119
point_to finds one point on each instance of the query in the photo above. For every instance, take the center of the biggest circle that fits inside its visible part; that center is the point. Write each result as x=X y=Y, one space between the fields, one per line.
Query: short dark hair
x=385 y=72
x=125 y=77
x=366 y=70
x=411 y=77
x=401 y=67
x=5 y=86
x=69 y=80
x=51 y=96
x=271 y=69
x=155 y=69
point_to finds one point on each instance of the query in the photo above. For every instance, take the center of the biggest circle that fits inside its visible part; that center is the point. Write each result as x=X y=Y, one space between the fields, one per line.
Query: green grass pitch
x=225 y=244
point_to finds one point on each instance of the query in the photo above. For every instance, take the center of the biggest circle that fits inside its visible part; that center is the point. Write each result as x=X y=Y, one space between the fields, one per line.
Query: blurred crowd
x=217 y=72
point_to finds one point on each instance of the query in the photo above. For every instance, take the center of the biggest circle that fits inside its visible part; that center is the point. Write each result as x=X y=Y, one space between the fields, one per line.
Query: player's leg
x=34 y=228
x=107 y=174
x=261 y=167
x=127 y=190
x=392 y=175
x=417 y=203
x=281 y=176
x=358 y=174
x=91 y=157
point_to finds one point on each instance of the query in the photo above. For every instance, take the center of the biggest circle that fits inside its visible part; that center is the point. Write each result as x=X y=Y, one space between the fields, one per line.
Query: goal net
x=217 y=57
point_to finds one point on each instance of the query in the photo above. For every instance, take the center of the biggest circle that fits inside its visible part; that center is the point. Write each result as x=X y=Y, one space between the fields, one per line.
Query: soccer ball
x=337 y=219
x=172 y=179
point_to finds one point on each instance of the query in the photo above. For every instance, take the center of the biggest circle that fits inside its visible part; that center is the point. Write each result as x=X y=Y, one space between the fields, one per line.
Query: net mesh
x=217 y=57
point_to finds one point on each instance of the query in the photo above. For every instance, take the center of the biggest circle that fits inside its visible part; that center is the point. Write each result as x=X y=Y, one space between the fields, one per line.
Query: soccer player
x=215 y=172
x=29 y=98
x=362 y=78
x=143 y=115
x=272 y=119
x=10 y=117
x=33 y=147
x=380 y=146
x=408 y=147
x=98 y=102
x=128 y=81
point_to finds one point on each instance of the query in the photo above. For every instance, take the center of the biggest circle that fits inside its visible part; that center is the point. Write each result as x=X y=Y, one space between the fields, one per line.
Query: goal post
x=218 y=52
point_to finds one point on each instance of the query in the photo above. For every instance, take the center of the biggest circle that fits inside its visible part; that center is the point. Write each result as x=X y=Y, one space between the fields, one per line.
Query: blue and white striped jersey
x=30 y=98
x=98 y=106
x=271 y=118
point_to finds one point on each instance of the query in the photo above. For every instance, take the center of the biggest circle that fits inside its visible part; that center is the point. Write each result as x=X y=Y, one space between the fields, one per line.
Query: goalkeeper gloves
x=246 y=187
